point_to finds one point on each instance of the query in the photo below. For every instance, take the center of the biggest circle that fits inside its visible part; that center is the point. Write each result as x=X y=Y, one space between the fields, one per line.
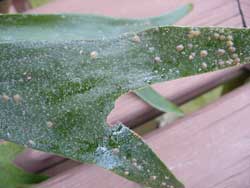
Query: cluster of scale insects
x=220 y=52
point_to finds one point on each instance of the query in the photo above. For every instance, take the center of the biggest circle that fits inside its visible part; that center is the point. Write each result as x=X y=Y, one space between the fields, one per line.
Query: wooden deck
x=207 y=149
x=214 y=153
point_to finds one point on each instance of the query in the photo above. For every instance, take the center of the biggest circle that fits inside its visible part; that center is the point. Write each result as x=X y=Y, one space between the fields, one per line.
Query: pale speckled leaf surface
x=72 y=27
x=63 y=94
x=77 y=27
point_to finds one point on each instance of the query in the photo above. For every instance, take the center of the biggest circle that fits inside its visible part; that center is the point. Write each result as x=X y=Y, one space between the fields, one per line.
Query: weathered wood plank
x=35 y=161
x=214 y=13
x=136 y=111
x=5 y=6
x=234 y=21
x=61 y=168
x=245 y=6
x=204 y=13
x=210 y=148
x=21 y=5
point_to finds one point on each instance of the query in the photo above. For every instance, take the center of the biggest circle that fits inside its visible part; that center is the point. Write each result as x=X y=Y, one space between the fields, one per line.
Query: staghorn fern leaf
x=57 y=94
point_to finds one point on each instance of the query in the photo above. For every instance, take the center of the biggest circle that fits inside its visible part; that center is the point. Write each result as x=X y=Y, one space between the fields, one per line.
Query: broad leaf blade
x=10 y=175
x=79 y=27
x=61 y=92
x=150 y=96
x=75 y=27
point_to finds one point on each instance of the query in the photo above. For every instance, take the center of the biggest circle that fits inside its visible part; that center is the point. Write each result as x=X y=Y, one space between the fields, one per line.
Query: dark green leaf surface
x=10 y=175
x=60 y=93
x=78 y=27
x=153 y=98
